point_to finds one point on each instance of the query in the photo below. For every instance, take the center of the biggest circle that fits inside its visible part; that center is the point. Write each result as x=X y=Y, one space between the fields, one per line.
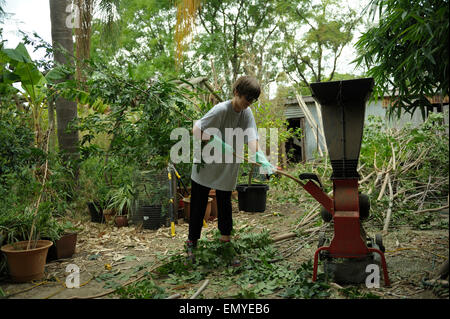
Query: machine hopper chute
x=343 y=106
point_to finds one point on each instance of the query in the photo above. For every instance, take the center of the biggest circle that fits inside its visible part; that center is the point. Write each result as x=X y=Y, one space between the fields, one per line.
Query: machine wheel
x=326 y=215
x=364 y=206
x=379 y=242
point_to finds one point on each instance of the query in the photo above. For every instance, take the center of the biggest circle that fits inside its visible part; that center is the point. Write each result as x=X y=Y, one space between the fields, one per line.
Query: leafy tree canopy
x=407 y=51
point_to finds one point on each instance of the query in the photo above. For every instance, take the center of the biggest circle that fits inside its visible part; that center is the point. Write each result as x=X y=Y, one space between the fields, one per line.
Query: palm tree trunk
x=66 y=111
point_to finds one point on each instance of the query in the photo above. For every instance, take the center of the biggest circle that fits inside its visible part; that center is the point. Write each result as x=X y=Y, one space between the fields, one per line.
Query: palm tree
x=66 y=111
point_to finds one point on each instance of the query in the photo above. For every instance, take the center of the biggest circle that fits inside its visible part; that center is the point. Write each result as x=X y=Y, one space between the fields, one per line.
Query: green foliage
x=356 y=293
x=16 y=143
x=15 y=225
x=122 y=199
x=328 y=27
x=144 y=36
x=301 y=285
x=258 y=275
x=407 y=52
x=141 y=116
x=144 y=289
x=238 y=38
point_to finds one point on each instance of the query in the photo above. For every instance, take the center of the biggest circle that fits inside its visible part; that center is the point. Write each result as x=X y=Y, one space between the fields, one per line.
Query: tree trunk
x=62 y=42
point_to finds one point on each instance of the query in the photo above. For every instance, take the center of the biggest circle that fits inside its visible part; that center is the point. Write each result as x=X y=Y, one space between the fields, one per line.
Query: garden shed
x=312 y=143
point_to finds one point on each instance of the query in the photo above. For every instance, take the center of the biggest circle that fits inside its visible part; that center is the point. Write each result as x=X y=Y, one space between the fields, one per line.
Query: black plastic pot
x=96 y=213
x=252 y=198
x=150 y=217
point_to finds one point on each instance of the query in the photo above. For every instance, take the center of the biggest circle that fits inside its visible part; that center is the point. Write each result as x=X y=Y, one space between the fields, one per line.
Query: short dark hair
x=247 y=86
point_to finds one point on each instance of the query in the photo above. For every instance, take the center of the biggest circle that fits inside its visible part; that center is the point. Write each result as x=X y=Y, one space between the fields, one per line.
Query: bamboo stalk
x=389 y=211
x=313 y=213
x=309 y=118
x=367 y=177
x=283 y=237
x=198 y=292
x=33 y=225
x=393 y=157
x=384 y=186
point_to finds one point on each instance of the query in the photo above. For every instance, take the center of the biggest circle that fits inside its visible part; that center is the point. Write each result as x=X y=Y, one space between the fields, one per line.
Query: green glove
x=266 y=167
x=218 y=143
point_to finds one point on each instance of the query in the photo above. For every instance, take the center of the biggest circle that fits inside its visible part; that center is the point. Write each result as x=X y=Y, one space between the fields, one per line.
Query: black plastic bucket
x=150 y=217
x=252 y=198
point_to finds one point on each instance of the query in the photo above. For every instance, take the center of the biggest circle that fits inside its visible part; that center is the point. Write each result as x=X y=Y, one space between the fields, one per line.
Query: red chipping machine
x=345 y=258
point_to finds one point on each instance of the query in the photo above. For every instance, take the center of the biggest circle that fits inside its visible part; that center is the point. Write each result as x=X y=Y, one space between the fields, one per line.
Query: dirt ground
x=105 y=252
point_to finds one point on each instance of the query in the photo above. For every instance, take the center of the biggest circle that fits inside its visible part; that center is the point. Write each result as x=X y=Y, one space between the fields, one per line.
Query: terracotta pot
x=212 y=194
x=187 y=208
x=109 y=215
x=121 y=221
x=63 y=247
x=26 y=265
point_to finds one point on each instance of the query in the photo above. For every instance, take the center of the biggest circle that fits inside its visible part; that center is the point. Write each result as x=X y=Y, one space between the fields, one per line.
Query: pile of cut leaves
x=261 y=273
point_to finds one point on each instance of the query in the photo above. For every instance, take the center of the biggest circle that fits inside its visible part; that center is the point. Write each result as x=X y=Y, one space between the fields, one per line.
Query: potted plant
x=122 y=201
x=64 y=243
x=25 y=252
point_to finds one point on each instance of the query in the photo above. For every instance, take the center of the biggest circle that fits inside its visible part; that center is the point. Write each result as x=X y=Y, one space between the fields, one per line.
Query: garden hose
x=24 y=290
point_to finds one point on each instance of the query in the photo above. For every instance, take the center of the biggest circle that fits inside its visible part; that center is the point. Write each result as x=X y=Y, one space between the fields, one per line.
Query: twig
x=425 y=193
x=198 y=292
x=431 y=209
x=309 y=216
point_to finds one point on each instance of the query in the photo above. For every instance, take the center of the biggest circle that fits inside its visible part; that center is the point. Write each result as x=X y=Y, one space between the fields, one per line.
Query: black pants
x=199 y=200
